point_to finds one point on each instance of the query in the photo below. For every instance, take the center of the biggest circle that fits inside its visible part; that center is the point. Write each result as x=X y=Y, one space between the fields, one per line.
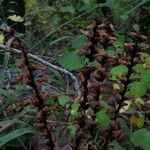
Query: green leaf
x=67 y=9
x=14 y=134
x=78 y=42
x=119 y=42
x=71 y=60
x=15 y=18
x=103 y=119
x=6 y=59
x=8 y=94
x=58 y=40
x=56 y=19
x=124 y=17
x=141 y=138
x=136 y=27
x=136 y=89
x=110 y=3
x=138 y=120
x=74 y=108
x=118 y=71
x=115 y=146
x=73 y=131
x=63 y=99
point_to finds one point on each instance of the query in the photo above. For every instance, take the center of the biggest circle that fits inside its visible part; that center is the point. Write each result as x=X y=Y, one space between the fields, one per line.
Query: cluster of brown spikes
x=38 y=98
x=95 y=78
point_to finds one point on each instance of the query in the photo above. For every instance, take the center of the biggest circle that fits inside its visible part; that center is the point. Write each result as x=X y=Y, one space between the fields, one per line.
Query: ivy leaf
x=103 y=119
x=15 y=18
x=118 y=71
x=71 y=60
x=63 y=99
x=136 y=89
x=141 y=138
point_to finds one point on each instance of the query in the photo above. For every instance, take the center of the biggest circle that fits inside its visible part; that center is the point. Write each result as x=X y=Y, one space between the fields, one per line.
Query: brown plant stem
x=40 y=102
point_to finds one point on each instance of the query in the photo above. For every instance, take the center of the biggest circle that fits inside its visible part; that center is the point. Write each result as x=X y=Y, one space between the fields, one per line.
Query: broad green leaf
x=103 y=119
x=15 y=18
x=138 y=120
x=1 y=38
x=71 y=60
x=78 y=42
x=136 y=89
x=14 y=134
x=111 y=50
x=118 y=71
x=74 y=108
x=141 y=138
x=119 y=42
x=63 y=99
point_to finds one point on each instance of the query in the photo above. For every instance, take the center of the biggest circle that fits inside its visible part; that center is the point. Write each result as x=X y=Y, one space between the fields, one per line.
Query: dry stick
x=48 y=64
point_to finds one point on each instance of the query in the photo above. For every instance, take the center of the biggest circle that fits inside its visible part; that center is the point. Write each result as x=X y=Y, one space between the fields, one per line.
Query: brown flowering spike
x=133 y=35
x=143 y=38
x=129 y=46
x=38 y=68
x=123 y=62
x=43 y=79
x=135 y=71
x=86 y=33
x=45 y=96
x=21 y=64
x=103 y=35
x=134 y=79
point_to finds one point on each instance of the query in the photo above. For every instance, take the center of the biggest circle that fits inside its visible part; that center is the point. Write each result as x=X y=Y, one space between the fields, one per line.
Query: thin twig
x=48 y=64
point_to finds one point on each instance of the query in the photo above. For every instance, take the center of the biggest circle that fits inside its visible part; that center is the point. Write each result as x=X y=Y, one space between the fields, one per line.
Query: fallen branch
x=48 y=64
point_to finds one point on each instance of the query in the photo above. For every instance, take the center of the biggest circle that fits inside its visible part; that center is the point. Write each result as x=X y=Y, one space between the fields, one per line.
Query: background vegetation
x=52 y=30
